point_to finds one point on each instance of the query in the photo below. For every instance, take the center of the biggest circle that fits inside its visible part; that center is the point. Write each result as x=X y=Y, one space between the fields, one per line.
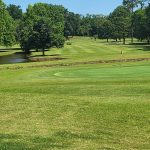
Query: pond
x=13 y=58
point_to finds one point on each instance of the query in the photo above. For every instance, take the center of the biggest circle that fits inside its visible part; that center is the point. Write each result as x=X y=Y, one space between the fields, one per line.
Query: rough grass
x=88 y=107
x=96 y=106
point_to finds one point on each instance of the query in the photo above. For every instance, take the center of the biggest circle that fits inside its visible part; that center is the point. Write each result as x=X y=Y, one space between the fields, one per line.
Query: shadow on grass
x=53 y=55
x=137 y=43
x=16 y=142
x=71 y=135
x=62 y=139
x=145 y=48
x=100 y=135
x=2 y=51
x=6 y=49
x=140 y=46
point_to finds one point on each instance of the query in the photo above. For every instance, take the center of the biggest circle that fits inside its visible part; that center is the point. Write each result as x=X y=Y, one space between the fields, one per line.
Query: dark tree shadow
x=2 y=51
x=53 y=55
x=84 y=136
x=21 y=52
x=140 y=46
x=9 y=142
x=138 y=43
x=16 y=142
x=39 y=51
x=143 y=46
x=146 y=48
x=6 y=49
x=70 y=135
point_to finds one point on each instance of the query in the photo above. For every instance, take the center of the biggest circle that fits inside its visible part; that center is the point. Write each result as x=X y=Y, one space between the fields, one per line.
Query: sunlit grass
x=84 y=107
x=75 y=107
x=85 y=49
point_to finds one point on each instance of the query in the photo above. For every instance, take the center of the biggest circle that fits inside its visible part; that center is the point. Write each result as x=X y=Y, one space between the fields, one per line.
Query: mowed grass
x=85 y=49
x=8 y=50
x=90 y=107
x=83 y=107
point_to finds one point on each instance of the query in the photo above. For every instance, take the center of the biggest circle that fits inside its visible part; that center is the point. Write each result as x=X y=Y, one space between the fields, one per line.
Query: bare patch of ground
x=40 y=59
x=78 y=63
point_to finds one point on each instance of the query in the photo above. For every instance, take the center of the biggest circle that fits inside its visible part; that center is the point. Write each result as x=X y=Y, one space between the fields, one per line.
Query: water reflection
x=13 y=58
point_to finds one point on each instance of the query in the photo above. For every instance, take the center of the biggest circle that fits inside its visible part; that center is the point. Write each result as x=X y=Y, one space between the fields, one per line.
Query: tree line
x=45 y=25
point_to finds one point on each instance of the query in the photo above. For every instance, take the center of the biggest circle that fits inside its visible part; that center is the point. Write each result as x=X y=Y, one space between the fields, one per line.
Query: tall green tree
x=96 y=25
x=7 y=28
x=35 y=24
x=15 y=11
x=41 y=35
x=120 y=19
x=148 y=22
x=141 y=22
x=140 y=26
x=107 y=29
x=85 y=25
x=131 y=4
x=72 y=24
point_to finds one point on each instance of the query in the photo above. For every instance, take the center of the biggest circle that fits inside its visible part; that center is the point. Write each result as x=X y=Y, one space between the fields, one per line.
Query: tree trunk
x=132 y=33
x=107 y=40
x=26 y=52
x=43 y=52
x=132 y=25
x=124 y=40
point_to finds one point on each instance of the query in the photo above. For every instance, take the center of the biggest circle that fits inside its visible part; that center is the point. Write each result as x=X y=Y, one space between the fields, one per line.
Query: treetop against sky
x=77 y=6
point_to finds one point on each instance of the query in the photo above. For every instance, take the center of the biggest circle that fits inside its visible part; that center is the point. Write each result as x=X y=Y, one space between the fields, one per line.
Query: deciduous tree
x=120 y=19
x=42 y=27
x=7 y=28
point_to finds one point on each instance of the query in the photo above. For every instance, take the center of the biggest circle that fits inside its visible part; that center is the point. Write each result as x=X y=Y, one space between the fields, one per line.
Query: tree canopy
x=42 y=23
x=15 y=11
x=45 y=25
x=121 y=21
x=7 y=27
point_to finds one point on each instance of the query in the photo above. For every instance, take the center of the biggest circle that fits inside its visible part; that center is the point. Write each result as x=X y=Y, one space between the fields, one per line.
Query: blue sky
x=77 y=6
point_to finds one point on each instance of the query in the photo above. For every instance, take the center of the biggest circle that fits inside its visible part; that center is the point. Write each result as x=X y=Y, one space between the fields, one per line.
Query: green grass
x=90 y=107
x=85 y=49
x=8 y=50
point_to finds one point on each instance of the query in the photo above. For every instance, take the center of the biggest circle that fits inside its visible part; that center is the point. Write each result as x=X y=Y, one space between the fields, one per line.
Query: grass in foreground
x=99 y=106
x=78 y=107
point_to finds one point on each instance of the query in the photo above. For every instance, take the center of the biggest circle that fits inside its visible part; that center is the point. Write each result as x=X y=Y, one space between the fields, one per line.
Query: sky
x=77 y=6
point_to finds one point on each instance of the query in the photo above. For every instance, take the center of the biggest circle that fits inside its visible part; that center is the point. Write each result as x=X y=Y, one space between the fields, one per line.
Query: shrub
x=68 y=43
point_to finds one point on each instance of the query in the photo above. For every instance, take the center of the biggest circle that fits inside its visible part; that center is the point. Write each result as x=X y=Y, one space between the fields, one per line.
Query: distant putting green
x=102 y=73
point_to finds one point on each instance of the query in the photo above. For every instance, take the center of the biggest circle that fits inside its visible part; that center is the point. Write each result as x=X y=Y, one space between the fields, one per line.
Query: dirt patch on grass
x=77 y=63
x=55 y=55
x=94 y=62
x=40 y=59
